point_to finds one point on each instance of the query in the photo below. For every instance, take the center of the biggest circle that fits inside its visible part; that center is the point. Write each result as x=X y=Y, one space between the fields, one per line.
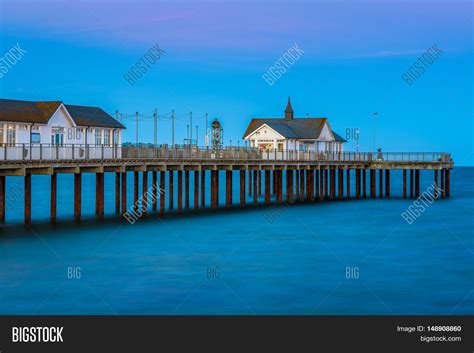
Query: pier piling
x=171 y=190
x=203 y=188
x=77 y=195
x=267 y=187
x=180 y=191
x=435 y=191
x=135 y=190
x=162 y=192
x=357 y=175
x=196 y=189
x=214 y=189
x=380 y=182
x=255 y=187
x=117 y=193
x=412 y=185
x=348 y=183
x=443 y=188
x=333 y=183
x=242 y=188
x=186 y=189
x=322 y=182
x=340 y=183
x=27 y=198
x=54 y=199
x=448 y=182
x=228 y=188
x=124 y=193
x=372 y=183
x=302 y=184
x=154 y=190
x=387 y=182
x=417 y=183
x=144 y=204
x=404 y=183
x=2 y=198
x=316 y=184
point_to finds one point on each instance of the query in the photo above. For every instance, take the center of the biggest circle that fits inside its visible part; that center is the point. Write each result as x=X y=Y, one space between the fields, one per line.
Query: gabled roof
x=40 y=112
x=301 y=128
x=26 y=111
x=92 y=116
x=338 y=137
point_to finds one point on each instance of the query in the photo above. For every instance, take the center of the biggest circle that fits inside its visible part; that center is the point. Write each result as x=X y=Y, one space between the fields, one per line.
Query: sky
x=352 y=61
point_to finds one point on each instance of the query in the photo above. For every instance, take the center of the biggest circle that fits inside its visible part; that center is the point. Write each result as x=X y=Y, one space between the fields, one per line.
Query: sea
x=343 y=257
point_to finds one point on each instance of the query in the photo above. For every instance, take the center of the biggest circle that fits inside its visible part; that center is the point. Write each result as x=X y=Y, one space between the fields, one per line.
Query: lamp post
x=374 y=116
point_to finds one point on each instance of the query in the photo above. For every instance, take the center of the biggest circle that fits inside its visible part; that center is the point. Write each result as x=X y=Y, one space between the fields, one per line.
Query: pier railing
x=25 y=152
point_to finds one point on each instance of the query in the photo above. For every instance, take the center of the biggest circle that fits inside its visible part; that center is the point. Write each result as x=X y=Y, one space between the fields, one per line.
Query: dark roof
x=338 y=137
x=26 y=111
x=302 y=128
x=41 y=112
x=283 y=130
x=92 y=116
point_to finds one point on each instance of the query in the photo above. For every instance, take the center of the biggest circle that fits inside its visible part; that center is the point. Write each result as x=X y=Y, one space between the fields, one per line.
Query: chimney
x=288 y=111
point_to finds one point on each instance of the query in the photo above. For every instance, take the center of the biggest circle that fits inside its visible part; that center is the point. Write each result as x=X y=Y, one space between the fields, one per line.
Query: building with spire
x=296 y=134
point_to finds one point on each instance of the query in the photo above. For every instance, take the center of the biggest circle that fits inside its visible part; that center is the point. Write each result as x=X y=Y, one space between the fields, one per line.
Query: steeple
x=288 y=111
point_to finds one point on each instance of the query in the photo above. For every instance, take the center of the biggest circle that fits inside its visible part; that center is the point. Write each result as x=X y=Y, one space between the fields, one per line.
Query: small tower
x=288 y=111
x=217 y=135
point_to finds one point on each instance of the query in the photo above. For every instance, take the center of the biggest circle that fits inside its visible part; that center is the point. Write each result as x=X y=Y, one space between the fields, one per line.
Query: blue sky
x=355 y=53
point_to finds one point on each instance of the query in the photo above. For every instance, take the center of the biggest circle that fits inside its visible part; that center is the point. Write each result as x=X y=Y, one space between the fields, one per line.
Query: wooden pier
x=309 y=177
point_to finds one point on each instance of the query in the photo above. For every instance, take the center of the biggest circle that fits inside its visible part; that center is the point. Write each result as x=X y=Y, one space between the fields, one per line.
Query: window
x=35 y=137
x=1 y=133
x=116 y=137
x=23 y=127
x=97 y=137
x=106 y=137
x=11 y=135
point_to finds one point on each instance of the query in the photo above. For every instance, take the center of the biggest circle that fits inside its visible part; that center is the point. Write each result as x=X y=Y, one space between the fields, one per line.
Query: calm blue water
x=238 y=262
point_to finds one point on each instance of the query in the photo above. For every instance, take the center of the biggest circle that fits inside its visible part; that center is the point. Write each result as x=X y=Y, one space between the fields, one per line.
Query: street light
x=375 y=115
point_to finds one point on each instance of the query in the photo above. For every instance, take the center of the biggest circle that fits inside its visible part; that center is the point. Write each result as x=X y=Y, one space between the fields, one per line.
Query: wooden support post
x=316 y=184
x=289 y=186
x=196 y=189
x=154 y=188
x=180 y=191
x=311 y=184
x=124 y=193
x=186 y=189
x=274 y=181
x=228 y=188
x=357 y=173
x=54 y=200
x=242 y=188
x=448 y=182
x=302 y=184
x=214 y=189
x=250 y=182
x=417 y=183
x=364 y=183
x=372 y=182
x=2 y=198
x=307 y=173
x=203 y=188
x=135 y=191
x=387 y=182
x=380 y=182
x=435 y=191
x=326 y=182
x=297 y=188
x=404 y=183
x=97 y=191
x=340 y=183
x=260 y=183
x=267 y=187
x=443 y=179
x=144 y=204
x=100 y=194
x=117 y=193
x=255 y=187
x=171 y=189
x=77 y=196
x=321 y=184
x=412 y=185
x=280 y=187
x=162 y=192
x=27 y=198
x=348 y=183
x=332 y=183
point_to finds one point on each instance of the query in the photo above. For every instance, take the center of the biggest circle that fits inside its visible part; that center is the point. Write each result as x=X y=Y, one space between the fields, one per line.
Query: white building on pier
x=293 y=134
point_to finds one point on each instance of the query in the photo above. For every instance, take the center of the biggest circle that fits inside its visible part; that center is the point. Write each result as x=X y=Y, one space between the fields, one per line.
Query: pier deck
x=309 y=176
